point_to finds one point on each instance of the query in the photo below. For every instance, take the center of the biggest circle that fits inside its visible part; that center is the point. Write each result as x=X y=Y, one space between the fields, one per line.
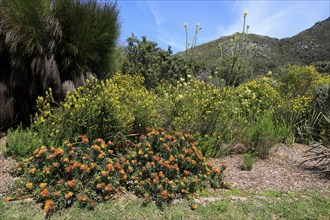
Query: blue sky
x=163 y=21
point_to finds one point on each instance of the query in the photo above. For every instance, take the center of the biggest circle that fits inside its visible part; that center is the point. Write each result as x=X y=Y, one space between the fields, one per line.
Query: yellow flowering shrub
x=118 y=104
x=257 y=95
x=194 y=106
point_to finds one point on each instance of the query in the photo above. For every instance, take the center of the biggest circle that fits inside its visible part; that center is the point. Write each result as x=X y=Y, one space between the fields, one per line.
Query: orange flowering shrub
x=157 y=166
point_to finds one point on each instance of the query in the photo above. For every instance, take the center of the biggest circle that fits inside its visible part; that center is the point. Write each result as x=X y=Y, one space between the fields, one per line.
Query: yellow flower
x=29 y=185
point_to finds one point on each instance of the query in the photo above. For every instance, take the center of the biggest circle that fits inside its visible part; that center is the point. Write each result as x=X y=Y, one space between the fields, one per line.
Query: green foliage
x=319 y=153
x=262 y=135
x=154 y=64
x=248 y=161
x=158 y=166
x=21 y=142
x=117 y=105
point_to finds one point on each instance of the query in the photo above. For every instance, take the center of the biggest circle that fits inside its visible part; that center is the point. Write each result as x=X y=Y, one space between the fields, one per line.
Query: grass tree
x=43 y=43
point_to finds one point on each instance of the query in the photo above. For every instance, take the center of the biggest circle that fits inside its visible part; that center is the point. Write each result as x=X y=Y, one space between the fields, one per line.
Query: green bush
x=21 y=142
x=248 y=161
x=261 y=135
x=157 y=166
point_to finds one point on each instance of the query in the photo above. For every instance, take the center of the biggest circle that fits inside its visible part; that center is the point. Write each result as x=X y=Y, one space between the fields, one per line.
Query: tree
x=44 y=43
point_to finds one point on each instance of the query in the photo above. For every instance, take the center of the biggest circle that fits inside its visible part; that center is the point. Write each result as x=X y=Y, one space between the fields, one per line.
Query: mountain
x=309 y=46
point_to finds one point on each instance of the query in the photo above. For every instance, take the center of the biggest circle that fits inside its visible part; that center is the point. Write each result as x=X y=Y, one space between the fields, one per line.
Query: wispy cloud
x=161 y=30
x=276 y=18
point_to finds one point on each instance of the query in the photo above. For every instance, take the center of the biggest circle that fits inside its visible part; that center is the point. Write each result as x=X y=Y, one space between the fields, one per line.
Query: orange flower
x=148 y=144
x=33 y=170
x=101 y=156
x=29 y=185
x=106 y=197
x=186 y=172
x=43 y=185
x=76 y=164
x=44 y=193
x=49 y=157
x=108 y=187
x=160 y=162
x=216 y=170
x=194 y=206
x=30 y=159
x=117 y=165
x=46 y=170
x=68 y=195
x=95 y=147
x=161 y=174
x=122 y=171
x=109 y=167
x=71 y=152
x=104 y=173
x=146 y=196
x=86 y=157
x=48 y=205
x=36 y=152
x=71 y=183
x=164 y=194
x=42 y=151
x=172 y=196
x=140 y=152
x=88 y=170
x=59 y=151
x=55 y=164
x=84 y=139
x=68 y=169
x=60 y=181
x=165 y=180
x=82 y=167
x=122 y=160
x=52 y=149
x=99 y=185
x=171 y=158
x=156 y=158
x=66 y=160
x=57 y=193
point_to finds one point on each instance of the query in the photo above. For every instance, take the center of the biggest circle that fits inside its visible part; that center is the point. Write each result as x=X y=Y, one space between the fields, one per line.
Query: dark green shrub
x=50 y=42
x=143 y=57
x=262 y=135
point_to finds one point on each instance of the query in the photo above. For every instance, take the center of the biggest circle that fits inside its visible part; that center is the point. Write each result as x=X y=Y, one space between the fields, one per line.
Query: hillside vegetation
x=307 y=47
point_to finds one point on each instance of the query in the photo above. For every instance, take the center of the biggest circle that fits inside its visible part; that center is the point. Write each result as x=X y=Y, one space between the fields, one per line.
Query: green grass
x=269 y=204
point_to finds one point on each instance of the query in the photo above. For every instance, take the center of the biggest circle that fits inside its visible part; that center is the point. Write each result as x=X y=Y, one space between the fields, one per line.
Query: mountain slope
x=267 y=53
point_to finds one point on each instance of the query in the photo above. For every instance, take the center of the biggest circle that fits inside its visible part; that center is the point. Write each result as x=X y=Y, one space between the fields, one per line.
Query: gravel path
x=281 y=171
x=6 y=164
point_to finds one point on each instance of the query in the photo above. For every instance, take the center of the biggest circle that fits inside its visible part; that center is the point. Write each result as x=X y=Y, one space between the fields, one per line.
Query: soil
x=282 y=171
